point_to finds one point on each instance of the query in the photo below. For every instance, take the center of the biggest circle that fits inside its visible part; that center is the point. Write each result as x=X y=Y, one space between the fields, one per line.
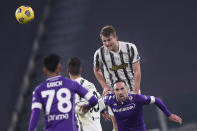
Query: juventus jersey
x=91 y=120
x=117 y=65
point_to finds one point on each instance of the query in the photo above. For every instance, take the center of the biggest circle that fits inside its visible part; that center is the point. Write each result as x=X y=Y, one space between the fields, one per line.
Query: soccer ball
x=24 y=14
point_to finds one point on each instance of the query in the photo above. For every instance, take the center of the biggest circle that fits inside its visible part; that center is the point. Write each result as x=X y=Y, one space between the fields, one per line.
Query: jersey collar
x=50 y=78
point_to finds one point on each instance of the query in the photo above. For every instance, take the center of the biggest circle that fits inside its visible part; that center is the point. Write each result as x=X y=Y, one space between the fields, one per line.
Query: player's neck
x=116 y=49
x=74 y=77
x=53 y=74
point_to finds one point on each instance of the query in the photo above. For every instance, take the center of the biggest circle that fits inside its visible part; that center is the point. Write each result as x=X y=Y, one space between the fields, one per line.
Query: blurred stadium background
x=164 y=32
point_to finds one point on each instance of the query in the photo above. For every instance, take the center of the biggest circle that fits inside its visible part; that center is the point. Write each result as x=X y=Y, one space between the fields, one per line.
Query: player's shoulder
x=138 y=97
x=88 y=85
x=69 y=80
x=99 y=50
x=127 y=43
x=109 y=99
x=38 y=87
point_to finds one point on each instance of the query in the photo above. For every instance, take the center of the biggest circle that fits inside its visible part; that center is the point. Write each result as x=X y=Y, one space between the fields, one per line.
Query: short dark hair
x=73 y=66
x=119 y=80
x=51 y=62
x=106 y=31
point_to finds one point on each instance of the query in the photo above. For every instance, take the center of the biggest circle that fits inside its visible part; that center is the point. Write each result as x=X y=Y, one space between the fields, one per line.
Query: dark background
x=163 y=31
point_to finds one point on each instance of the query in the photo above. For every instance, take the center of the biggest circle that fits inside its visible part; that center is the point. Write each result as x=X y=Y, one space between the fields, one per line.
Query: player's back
x=91 y=120
x=56 y=96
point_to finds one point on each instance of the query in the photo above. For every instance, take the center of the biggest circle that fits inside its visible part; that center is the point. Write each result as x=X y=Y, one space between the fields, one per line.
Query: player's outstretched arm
x=171 y=116
x=101 y=80
x=175 y=118
x=35 y=116
x=144 y=100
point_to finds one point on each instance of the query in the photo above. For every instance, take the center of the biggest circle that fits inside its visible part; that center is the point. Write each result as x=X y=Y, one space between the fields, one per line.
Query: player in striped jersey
x=89 y=121
x=119 y=60
x=56 y=97
x=116 y=60
x=127 y=108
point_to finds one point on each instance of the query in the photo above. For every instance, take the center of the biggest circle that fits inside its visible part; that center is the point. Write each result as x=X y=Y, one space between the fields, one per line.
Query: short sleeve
x=97 y=59
x=145 y=99
x=135 y=53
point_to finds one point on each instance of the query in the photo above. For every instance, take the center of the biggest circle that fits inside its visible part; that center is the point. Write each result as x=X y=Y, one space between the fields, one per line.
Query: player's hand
x=115 y=129
x=106 y=90
x=84 y=108
x=106 y=116
x=175 y=118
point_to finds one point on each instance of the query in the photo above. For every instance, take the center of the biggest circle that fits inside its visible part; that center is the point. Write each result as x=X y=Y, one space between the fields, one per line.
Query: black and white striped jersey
x=117 y=65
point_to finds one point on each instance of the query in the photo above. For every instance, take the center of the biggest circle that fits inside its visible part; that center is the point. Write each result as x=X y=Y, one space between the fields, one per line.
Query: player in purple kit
x=56 y=97
x=127 y=108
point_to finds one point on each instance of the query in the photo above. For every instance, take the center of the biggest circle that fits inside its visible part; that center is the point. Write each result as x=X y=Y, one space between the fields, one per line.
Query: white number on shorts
x=62 y=100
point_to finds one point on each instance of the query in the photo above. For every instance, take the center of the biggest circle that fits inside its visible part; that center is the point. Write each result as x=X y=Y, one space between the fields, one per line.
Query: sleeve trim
x=36 y=105
x=152 y=99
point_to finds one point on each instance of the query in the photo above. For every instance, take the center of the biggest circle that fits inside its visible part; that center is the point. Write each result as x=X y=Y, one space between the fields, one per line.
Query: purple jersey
x=128 y=114
x=56 y=97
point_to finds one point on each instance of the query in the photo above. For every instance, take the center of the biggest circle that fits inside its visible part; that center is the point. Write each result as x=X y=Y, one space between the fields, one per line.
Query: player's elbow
x=93 y=101
x=96 y=70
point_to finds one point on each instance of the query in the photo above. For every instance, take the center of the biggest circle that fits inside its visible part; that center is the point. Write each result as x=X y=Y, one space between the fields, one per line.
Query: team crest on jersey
x=117 y=58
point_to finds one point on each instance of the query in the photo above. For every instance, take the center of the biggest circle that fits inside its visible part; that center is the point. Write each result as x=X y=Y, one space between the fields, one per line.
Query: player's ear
x=45 y=71
x=81 y=70
x=115 y=36
x=59 y=68
x=67 y=70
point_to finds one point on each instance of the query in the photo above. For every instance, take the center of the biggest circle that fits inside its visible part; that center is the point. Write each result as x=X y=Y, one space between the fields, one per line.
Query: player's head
x=109 y=37
x=52 y=64
x=120 y=90
x=74 y=67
